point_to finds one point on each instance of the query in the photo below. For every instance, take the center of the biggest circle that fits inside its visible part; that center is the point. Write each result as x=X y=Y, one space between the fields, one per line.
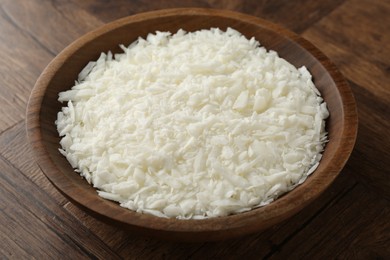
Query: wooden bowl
x=63 y=70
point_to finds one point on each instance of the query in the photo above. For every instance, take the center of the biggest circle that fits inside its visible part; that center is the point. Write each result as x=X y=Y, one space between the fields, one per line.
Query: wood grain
x=348 y=221
x=14 y=51
x=14 y=148
x=359 y=48
x=60 y=23
x=307 y=12
x=362 y=53
x=338 y=224
x=33 y=203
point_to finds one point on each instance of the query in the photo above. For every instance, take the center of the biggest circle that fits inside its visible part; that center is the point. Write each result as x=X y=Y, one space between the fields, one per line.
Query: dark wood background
x=350 y=220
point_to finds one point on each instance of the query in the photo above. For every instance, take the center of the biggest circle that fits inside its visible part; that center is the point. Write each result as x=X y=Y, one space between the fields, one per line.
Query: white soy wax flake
x=193 y=125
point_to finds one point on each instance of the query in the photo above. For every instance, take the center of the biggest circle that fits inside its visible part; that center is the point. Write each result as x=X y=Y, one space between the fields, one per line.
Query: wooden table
x=350 y=220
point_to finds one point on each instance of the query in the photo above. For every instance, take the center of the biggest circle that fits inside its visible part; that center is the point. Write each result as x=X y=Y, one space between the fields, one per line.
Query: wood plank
x=19 y=226
x=42 y=226
x=370 y=158
x=294 y=15
x=364 y=37
x=22 y=59
x=276 y=11
x=338 y=232
x=9 y=247
x=360 y=48
x=53 y=24
x=372 y=241
x=14 y=147
x=130 y=245
x=345 y=40
x=33 y=44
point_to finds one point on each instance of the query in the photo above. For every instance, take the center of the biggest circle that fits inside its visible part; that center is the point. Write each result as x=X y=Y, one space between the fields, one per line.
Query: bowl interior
x=63 y=71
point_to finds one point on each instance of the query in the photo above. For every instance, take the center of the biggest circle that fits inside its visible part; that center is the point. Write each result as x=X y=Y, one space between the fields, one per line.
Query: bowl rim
x=234 y=223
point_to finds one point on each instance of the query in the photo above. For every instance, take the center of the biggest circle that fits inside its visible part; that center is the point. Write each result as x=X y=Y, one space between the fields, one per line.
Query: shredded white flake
x=193 y=125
